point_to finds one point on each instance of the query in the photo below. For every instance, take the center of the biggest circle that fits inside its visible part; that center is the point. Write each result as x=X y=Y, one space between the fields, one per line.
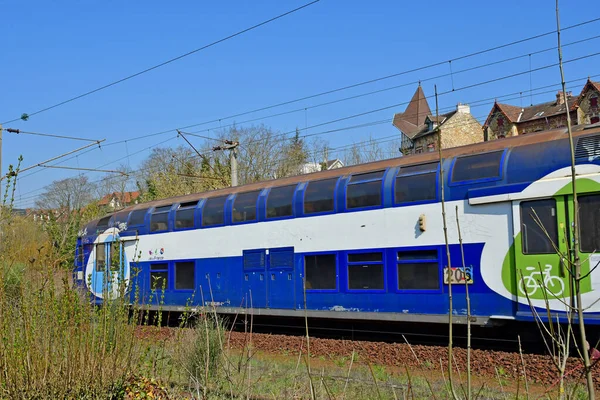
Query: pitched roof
x=519 y=115
x=590 y=84
x=412 y=120
x=125 y=197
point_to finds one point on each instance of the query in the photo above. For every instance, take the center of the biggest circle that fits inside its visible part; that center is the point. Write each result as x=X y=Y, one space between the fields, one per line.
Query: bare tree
x=67 y=194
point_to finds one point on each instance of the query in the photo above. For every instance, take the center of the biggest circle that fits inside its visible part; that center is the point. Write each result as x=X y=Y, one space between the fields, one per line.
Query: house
x=325 y=165
x=507 y=120
x=420 y=129
x=118 y=200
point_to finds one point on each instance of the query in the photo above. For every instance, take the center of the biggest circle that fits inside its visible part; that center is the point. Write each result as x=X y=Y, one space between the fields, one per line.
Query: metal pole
x=234 y=172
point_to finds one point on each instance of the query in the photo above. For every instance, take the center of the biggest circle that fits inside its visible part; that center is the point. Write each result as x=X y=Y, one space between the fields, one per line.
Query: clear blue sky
x=51 y=51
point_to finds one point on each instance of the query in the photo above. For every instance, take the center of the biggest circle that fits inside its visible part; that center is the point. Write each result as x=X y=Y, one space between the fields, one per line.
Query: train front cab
x=543 y=231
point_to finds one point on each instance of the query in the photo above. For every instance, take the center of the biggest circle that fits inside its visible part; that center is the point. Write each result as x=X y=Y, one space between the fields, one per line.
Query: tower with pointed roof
x=419 y=128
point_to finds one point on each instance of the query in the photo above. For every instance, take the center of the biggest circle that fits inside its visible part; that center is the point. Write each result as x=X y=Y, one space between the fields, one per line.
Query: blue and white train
x=366 y=242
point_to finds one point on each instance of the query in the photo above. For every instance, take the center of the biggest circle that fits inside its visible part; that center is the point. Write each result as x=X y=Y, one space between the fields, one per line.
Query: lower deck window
x=100 y=257
x=321 y=271
x=184 y=275
x=365 y=271
x=365 y=277
x=589 y=217
x=159 y=276
x=418 y=270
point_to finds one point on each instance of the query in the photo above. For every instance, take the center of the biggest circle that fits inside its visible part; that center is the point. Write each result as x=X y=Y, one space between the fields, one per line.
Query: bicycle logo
x=529 y=285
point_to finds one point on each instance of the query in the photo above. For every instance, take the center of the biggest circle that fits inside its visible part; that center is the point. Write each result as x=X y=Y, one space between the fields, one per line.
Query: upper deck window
x=416 y=183
x=103 y=224
x=364 y=190
x=477 y=167
x=137 y=217
x=159 y=221
x=184 y=216
x=279 y=201
x=213 y=212
x=120 y=218
x=319 y=195
x=244 y=206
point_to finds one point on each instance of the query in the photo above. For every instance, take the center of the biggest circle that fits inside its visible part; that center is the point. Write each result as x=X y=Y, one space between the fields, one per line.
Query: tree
x=67 y=194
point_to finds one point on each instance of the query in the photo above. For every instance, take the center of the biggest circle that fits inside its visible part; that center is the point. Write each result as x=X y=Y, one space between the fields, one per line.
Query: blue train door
x=108 y=273
x=255 y=278
x=280 y=274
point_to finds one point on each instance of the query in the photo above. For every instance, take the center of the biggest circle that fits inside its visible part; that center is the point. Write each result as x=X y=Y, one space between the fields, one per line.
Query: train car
x=366 y=242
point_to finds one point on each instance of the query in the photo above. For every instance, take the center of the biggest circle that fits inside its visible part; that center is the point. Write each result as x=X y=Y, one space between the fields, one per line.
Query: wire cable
x=167 y=62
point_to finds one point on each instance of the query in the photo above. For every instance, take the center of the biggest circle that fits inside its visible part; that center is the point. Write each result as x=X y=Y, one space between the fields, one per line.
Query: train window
x=476 y=167
x=367 y=194
x=365 y=257
x=365 y=271
x=213 y=211
x=365 y=277
x=244 y=206
x=159 y=221
x=318 y=196
x=159 y=276
x=100 y=257
x=281 y=258
x=369 y=176
x=279 y=201
x=137 y=217
x=364 y=190
x=184 y=216
x=103 y=224
x=184 y=275
x=589 y=220
x=418 y=270
x=320 y=272
x=539 y=231
x=417 y=255
x=416 y=183
x=120 y=220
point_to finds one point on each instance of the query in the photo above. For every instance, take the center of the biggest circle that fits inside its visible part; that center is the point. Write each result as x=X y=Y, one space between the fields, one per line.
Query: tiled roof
x=412 y=120
x=124 y=198
x=442 y=118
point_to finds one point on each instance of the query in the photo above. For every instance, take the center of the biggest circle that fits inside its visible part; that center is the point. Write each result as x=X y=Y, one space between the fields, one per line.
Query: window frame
x=335 y=189
x=296 y=186
x=167 y=269
x=337 y=271
x=359 y=263
x=359 y=182
x=162 y=212
x=203 y=207
x=131 y=215
x=410 y=174
x=556 y=233
x=189 y=207
x=191 y=261
x=499 y=177
x=437 y=260
x=256 y=208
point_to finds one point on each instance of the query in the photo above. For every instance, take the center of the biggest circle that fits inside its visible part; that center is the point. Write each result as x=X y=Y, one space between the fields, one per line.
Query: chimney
x=560 y=99
x=463 y=108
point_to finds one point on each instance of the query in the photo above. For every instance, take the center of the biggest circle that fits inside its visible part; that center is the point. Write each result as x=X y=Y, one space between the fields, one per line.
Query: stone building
x=507 y=120
x=420 y=129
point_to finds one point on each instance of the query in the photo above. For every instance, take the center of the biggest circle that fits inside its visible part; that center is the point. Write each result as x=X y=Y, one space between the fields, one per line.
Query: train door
x=280 y=274
x=589 y=243
x=255 y=278
x=108 y=269
x=543 y=233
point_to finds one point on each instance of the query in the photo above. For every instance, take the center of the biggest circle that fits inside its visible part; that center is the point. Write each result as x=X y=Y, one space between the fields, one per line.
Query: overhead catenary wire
x=165 y=62
x=481 y=102
x=397 y=86
x=20 y=132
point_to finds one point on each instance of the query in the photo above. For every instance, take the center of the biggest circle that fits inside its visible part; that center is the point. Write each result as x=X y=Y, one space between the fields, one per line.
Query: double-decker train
x=366 y=242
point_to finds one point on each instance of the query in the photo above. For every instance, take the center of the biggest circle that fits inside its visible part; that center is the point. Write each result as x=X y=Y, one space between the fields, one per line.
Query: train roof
x=422 y=158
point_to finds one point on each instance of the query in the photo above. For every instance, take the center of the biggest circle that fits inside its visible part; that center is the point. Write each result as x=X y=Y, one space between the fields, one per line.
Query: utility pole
x=231 y=146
